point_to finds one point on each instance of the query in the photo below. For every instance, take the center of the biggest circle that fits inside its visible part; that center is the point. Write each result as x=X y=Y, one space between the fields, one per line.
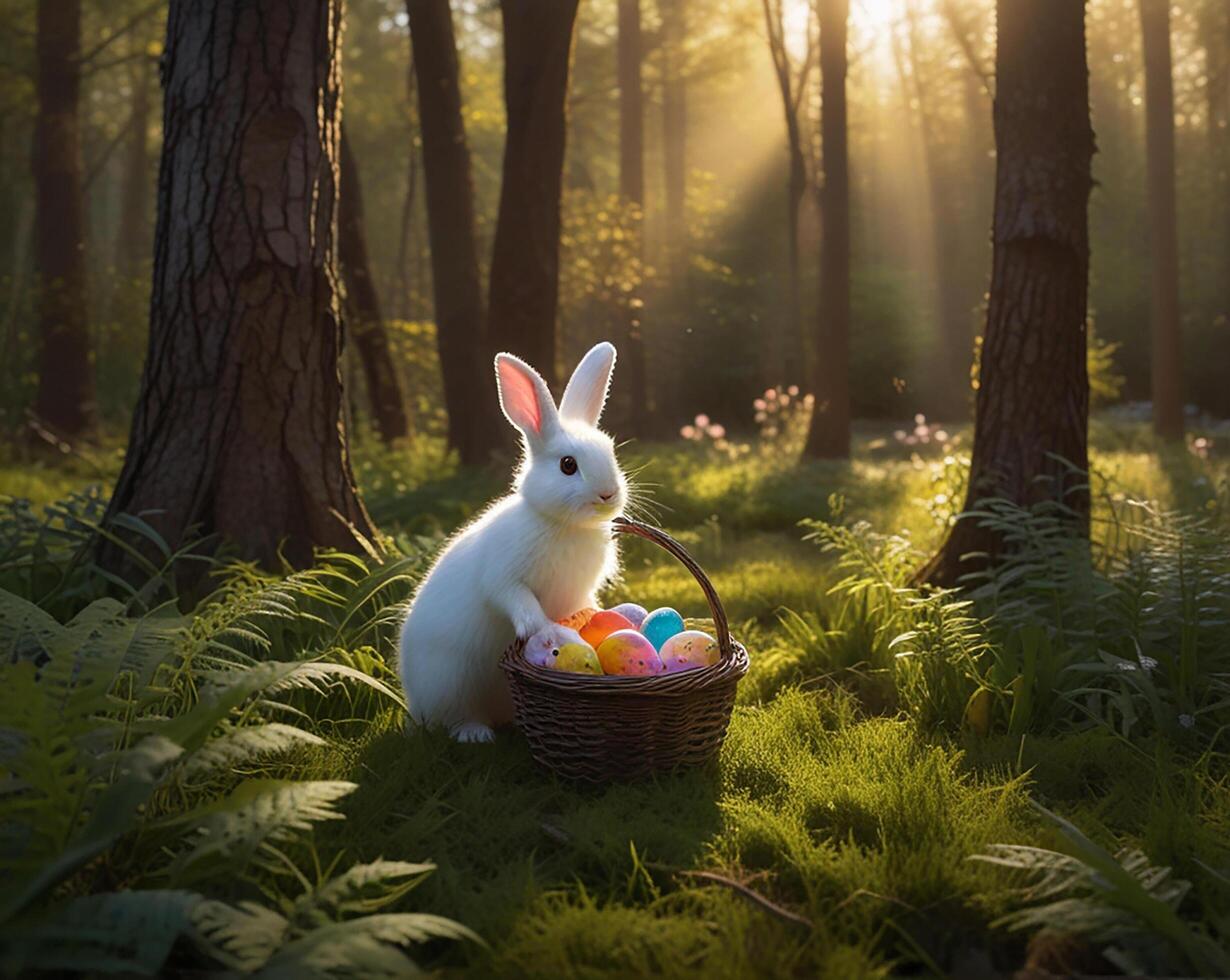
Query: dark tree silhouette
x=829 y=434
x=238 y=429
x=1032 y=405
x=65 y=400
x=465 y=355
x=366 y=323
x=525 y=258
x=1166 y=360
x=629 y=56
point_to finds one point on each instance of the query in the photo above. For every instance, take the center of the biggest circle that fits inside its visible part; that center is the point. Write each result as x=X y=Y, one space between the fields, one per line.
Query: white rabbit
x=534 y=556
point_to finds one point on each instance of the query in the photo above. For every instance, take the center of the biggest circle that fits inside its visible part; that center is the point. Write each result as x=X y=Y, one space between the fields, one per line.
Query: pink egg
x=628 y=652
x=689 y=649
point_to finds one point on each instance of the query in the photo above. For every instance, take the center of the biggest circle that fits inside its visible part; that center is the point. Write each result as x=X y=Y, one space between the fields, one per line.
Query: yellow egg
x=689 y=649
x=627 y=652
x=577 y=658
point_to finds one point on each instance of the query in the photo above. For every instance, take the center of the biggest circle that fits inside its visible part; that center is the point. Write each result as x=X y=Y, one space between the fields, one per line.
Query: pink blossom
x=759 y=404
x=688 y=432
x=792 y=391
x=702 y=421
x=717 y=431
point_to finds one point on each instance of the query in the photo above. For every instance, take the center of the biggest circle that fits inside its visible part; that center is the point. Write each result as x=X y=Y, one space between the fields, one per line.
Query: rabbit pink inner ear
x=519 y=396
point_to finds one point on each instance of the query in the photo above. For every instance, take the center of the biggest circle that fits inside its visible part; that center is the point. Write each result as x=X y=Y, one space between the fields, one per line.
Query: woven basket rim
x=731 y=666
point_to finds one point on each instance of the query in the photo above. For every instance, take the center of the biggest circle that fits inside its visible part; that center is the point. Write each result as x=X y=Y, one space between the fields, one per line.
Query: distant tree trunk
x=674 y=134
x=829 y=435
x=525 y=258
x=632 y=189
x=465 y=353
x=786 y=347
x=65 y=400
x=132 y=241
x=238 y=430
x=1032 y=407
x=405 y=232
x=367 y=325
x=1166 y=355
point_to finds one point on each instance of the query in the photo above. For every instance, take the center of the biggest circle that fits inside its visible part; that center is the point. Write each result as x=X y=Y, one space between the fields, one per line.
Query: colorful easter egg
x=578 y=658
x=543 y=647
x=579 y=619
x=660 y=625
x=689 y=649
x=603 y=625
x=633 y=613
x=628 y=652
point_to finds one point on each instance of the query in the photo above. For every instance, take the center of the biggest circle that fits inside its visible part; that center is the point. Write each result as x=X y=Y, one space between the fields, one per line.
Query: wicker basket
x=601 y=729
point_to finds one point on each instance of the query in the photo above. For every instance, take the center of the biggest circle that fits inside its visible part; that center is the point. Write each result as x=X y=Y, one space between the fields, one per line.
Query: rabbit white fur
x=534 y=556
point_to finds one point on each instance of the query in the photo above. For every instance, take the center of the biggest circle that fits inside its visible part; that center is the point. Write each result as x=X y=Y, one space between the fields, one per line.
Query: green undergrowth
x=913 y=783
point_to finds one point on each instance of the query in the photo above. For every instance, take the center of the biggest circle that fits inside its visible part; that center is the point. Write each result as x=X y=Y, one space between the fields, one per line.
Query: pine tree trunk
x=632 y=189
x=466 y=354
x=367 y=325
x=1166 y=354
x=238 y=430
x=829 y=435
x=525 y=258
x=1032 y=405
x=65 y=400
x=674 y=135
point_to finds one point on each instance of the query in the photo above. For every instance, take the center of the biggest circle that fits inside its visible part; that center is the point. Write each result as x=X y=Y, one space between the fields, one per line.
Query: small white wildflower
x=1148 y=663
x=1124 y=665
x=1187 y=721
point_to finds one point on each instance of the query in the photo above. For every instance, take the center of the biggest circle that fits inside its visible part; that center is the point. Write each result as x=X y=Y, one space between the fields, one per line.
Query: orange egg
x=602 y=625
x=579 y=619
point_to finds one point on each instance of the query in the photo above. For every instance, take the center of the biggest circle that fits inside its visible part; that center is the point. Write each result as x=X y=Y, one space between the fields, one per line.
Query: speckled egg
x=543 y=647
x=603 y=625
x=689 y=649
x=628 y=652
x=578 y=658
x=660 y=625
x=633 y=613
x=579 y=619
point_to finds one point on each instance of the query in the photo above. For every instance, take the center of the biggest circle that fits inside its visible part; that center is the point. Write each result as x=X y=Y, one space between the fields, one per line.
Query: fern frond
x=362 y=889
x=241 y=936
x=115 y=932
x=227 y=833
x=242 y=745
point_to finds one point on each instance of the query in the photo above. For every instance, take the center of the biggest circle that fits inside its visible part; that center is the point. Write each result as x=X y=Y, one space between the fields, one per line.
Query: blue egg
x=660 y=625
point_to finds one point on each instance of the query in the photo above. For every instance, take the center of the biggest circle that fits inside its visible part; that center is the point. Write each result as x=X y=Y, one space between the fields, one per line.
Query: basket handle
x=625 y=525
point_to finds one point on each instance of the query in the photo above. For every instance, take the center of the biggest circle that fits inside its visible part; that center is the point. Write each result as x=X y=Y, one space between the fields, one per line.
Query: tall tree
x=525 y=257
x=367 y=325
x=461 y=335
x=65 y=400
x=629 y=56
x=1032 y=407
x=1166 y=354
x=829 y=434
x=786 y=359
x=238 y=430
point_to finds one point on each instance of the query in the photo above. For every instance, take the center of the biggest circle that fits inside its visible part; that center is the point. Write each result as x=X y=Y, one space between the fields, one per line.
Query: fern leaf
x=362 y=889
x=228 y=832
x=241 y=936
x=241 y=745
x=115 y=932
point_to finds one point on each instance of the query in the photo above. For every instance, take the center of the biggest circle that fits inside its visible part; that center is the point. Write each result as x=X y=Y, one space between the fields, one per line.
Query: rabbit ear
x=586 y=392
x=524 y=397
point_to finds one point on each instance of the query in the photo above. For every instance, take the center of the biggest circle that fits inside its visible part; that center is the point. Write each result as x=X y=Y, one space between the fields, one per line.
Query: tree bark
x=1032 y=406
x=132 y=240
x=829 y=434
x=238 y=430
x=525 y=258
x=461 y=336
x=65 y=400
x=1166 y=354
x=629 y=54
x=367 y=325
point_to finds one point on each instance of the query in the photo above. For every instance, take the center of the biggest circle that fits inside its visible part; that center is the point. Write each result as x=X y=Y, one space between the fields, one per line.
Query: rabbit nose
x=606 y=496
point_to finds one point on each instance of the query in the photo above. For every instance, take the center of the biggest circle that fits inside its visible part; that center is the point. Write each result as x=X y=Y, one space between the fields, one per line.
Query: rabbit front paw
x=473 y=731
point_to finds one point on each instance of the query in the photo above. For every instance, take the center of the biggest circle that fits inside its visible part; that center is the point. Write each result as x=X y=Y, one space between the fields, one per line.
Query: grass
x=834 y=835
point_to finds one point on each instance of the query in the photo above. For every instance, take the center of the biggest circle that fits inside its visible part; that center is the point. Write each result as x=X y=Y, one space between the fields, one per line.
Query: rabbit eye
x=568 y=466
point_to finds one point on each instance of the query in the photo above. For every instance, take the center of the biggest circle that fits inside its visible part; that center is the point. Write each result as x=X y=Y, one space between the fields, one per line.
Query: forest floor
x=834 y=836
